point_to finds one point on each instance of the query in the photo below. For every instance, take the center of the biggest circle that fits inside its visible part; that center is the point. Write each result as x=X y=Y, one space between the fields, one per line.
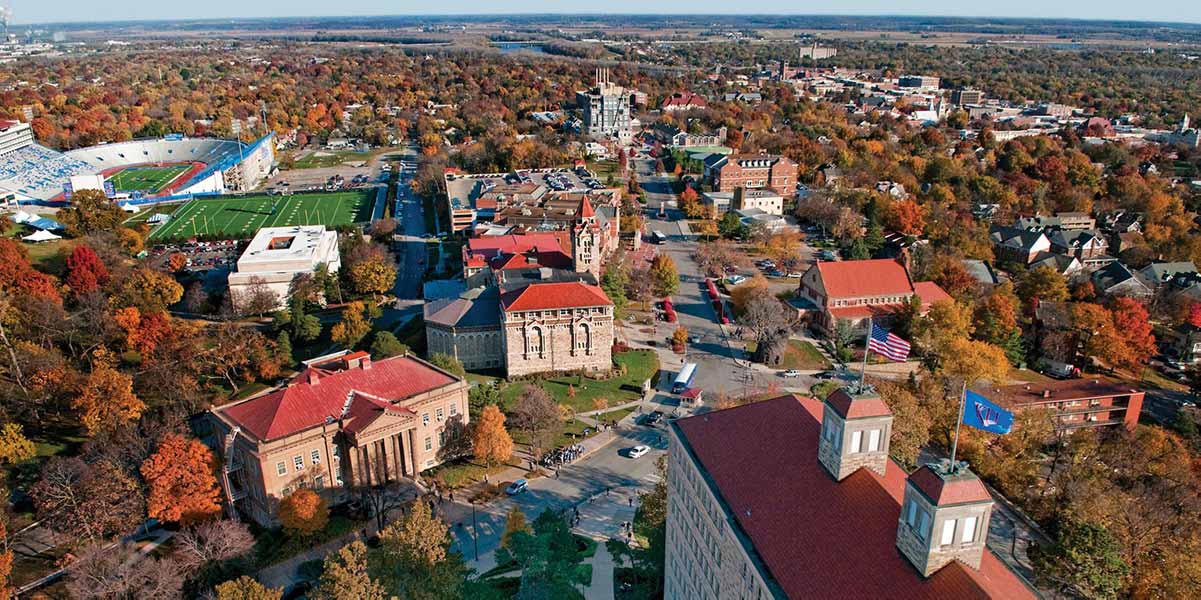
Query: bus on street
x=684 y=379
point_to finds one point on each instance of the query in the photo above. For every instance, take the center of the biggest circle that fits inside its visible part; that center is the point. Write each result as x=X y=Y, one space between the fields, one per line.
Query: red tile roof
x=303 y=404
x=951 y=490
x=684 y=99
x=586 y=211
x=851 y=407
x=816 y=537
x=542 y=296
x=518 y=251
x=862 y=278
x=929 y=292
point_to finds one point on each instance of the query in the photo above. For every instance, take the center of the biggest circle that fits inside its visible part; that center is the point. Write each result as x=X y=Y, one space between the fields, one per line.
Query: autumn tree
x=665 y=276
x=950 y=275
x=448 y=363
x=87 y=501
x=1133 y=326
x=17 y=275
x=490 y=441
x=353 y=327
x=147 y=290
x=514 y=522
x=971 y=361
x=6 y=565
x=1085 y=561
x=212 y=542
x=536 y=413
x=14 y=446
x=106 y=400
x=86 y=273
x=345 y=576
x=373 y=276
x=246 y=588
x=182 y=487
x=1043 y=284
x=419 y=539
x=910 y=423
x=303 y=513
x=101 y=572
x=715 y=256
x=90 y=211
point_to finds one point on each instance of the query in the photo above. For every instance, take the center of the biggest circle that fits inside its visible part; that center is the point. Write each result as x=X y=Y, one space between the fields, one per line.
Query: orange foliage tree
x=143 y=332
x=86 y=273
x=180 y=477
x=303 y=513
x=106 y=400
x=1133 y=325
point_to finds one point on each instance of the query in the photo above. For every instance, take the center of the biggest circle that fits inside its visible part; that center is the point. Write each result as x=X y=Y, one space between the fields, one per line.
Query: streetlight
x=475 y=535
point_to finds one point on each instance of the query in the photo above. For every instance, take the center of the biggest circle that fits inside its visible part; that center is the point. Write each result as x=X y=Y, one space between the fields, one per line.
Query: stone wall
x=561 y=338
x=475 y=348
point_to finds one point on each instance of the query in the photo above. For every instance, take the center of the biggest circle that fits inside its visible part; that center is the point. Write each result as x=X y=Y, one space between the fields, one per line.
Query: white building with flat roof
x=278 y=255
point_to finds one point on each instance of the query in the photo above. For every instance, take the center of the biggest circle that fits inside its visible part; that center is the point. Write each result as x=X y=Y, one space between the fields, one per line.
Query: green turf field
x=147 y=179
x=241 y=217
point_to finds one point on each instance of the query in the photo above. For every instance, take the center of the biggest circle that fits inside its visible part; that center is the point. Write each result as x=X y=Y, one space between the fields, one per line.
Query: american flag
x=890 y=346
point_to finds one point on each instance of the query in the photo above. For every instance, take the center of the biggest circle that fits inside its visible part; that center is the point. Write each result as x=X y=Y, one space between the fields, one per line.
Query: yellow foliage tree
x=490 y=441
x=373 y=276
x=973 y=361
x=246 y=588
x=353 y=327
x=14 y=446
x=107 y=400
x=303 y=513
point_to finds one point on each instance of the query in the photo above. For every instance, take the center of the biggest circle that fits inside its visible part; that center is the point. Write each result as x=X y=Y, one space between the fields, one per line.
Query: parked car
x=735 y=279
x=790 y=373
x=652 y=418
x=517 y=487
x=694 y=339
x=795 y=275
x=637 y=451
x=827 y=375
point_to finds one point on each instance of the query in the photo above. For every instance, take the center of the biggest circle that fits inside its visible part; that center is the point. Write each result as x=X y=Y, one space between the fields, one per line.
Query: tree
x=246 y=588
x=713 y=257
x=303 y=513
x=103 y=573
x=212 y=542
x=106 y=400
x=373 y=276
x=1099 y=337
x=1085 y=560
x=743 y=293
x=147 y=290
x=910 y=423
x=995 y=318
x=384 y=345
x=448 y=363
x=353 y=327
x=614 y=279
x=731 y=227
x=420 y=539
x=86 y=501
x=1133 y=326
x=381 y=230
x=950 y=274
x=345 y=576
x=90 y=211
x=14 y=446
x=536 y=413
x=665 y=276
x=650 y=522
x=770 y=322
x=1044 y=284
x=514 y=522
x=17 y=276
x=548 y=556
x=86 y=273
x=179 y=475
x=490 y=441
x=679 y=337
x=256 y=299
x=971 y=361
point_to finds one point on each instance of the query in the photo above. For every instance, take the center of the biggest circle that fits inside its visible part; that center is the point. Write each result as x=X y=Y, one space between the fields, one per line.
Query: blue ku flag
x=981 y=413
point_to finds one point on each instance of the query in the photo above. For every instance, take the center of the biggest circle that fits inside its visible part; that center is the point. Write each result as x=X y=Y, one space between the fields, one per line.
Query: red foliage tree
x=16 y=274
x=1194 y=315
x=1133 y=325
x=86 y=273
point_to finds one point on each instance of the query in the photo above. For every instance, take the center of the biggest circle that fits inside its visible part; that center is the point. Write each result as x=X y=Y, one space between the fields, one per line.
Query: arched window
x=583 y=338
x=533 y=341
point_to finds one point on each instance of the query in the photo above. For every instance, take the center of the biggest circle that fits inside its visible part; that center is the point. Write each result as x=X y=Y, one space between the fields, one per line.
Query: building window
x=319 y=481
x=425 y=418
x=948 y=532
x=298 y=462
x=923 y=528
x=429 y=443
x=911 y=514
x=281 y=469
x=439 y=415
x=969 y=530
x=856 y=439
x=316 y=456
x=873 y=440
x=454 y=409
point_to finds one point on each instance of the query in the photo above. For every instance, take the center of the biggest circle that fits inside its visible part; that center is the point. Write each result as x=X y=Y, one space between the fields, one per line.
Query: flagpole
x=958 y=424
x=867 y=342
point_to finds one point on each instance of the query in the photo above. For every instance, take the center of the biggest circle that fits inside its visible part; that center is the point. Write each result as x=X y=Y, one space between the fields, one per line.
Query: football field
x=147 y=179
x=240 y=218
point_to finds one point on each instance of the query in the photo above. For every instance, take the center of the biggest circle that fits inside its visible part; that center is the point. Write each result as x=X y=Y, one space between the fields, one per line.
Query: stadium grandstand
x=145 y=170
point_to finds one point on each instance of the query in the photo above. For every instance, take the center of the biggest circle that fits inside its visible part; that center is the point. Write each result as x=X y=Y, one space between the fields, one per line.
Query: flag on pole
x=887 y=344
x=983 y=414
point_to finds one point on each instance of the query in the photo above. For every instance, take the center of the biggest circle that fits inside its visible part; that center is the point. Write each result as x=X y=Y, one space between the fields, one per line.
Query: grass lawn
x=1151 y=377
x=273 y=545
x=640 y=366
x=804 y=356
x=616 y=415
x=147 y=179
x=149 y=211
x=49 y=257
x=241 y=217
x=328 y=158
x=466 y=471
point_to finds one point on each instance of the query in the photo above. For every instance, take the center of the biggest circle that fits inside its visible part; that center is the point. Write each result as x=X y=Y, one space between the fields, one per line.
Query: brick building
x=343 y=421
x=1088 y=402
x=854 y=290
x=796 y=498
x=754 y=171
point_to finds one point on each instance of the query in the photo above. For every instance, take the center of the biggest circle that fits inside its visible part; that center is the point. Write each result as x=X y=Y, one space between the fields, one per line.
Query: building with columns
x=797 y=498
x=343 y=422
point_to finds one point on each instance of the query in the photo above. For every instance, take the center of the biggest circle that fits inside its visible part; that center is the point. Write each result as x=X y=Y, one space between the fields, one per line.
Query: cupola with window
x=944 y=517
x=856 y=425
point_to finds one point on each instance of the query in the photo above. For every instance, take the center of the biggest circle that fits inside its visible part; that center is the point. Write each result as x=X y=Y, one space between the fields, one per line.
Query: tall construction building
x=607 y=108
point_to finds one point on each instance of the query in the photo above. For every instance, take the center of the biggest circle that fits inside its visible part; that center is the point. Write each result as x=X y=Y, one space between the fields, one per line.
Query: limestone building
x=276 y=256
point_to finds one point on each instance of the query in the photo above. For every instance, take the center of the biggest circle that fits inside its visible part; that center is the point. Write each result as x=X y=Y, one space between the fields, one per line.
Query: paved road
x=411 y=252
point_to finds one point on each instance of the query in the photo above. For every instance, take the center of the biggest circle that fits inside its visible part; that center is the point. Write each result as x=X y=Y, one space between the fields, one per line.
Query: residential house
x=1085 y=244
x=1060 y=263
x=1159 y=274
x=1018 y=245
x=1116 y=279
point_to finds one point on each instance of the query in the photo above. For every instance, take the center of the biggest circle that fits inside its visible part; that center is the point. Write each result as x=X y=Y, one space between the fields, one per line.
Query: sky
x=42 y=11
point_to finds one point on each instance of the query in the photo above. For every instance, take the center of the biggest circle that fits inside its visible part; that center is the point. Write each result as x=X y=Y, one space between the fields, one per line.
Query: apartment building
x=1077 y=403
x=753 y=171
x=607 y=108
x=797 y=498
x=343 y=421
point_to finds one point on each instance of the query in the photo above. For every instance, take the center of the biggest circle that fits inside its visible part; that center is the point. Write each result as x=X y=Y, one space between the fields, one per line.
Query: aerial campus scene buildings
x=629 y=306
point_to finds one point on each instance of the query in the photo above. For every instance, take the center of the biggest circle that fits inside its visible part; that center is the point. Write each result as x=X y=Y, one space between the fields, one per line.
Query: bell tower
x=586 y=240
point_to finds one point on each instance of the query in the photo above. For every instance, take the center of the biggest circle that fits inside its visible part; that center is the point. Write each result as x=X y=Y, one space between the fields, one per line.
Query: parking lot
x=201 y=256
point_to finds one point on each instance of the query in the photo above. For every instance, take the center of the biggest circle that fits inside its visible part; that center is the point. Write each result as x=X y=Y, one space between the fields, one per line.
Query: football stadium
x=138 y=171
x=240 y=217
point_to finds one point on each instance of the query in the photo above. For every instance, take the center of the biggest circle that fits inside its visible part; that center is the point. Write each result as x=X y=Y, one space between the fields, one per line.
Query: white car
x=638 y=451
x=790 y=373
x=735 y=279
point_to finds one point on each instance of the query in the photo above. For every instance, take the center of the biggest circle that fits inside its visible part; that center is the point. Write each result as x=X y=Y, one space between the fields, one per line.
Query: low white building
x=766 y=201
x=278 y=255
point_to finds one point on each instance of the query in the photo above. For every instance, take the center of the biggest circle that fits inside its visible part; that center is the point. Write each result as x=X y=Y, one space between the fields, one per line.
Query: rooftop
x=1065 y=389
x=542 y=296
x=818 y=538
x=863 y=278
x=308 y=243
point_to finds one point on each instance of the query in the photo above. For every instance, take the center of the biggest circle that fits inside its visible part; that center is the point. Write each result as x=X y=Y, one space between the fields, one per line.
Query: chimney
x=313 y=378
x=1046 y=393
x=856 y=425
x=365 y=363
x=944 y=517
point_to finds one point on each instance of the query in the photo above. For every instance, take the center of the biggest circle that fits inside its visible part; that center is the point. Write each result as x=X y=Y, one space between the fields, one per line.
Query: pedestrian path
x=601 y=587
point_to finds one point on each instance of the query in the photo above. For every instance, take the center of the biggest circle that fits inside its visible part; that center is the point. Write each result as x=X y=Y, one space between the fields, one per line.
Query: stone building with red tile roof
x=854 y=290
x=343 y=421
x=564 y=326
x=797 y=498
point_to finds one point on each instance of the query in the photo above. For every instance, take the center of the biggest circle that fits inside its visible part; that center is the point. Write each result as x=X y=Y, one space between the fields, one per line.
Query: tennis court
x=147 y=179
x=241 y=217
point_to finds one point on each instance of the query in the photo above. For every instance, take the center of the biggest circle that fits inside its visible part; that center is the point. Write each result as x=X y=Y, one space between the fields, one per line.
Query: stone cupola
x=856 y=425
x=944 y=517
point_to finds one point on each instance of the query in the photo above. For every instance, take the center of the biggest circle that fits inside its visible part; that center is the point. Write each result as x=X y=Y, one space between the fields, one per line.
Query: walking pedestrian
x=631 y=501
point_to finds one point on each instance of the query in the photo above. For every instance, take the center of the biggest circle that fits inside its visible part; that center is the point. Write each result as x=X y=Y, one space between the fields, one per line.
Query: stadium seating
x=137 y=152
x=38 y=171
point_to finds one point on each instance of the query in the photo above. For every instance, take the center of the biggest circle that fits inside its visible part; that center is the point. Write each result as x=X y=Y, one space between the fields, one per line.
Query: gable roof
x=543 y=296
x=861 y=278
x=814 y=536
x=318 y=394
